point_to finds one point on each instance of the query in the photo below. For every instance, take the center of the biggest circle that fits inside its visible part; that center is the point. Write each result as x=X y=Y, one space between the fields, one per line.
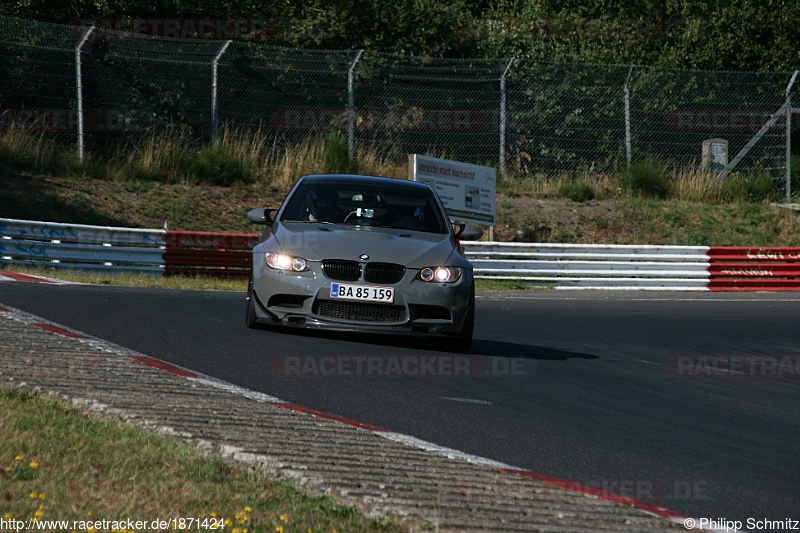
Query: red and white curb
x=51 y=327
x=15 y=276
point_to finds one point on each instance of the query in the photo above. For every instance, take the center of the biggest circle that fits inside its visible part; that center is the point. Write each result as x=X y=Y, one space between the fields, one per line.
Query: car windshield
x=372 y=205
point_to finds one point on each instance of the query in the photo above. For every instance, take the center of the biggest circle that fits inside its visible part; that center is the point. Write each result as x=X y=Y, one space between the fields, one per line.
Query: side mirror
x=467 y=232
x=260 y=216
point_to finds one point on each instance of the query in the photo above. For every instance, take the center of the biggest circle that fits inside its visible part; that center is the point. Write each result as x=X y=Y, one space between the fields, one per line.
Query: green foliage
x=748 y=188
x=215 y=165
x=646 y=177
x=336 y=160
x=714 y=34
x=37 y=152
x=413 y=27
x=577 y=190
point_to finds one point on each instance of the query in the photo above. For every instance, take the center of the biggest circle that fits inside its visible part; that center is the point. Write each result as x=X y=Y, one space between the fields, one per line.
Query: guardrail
x=760 y=269
x=109 y=249
x=563 y=266
x=225 y=255
x=592 y=266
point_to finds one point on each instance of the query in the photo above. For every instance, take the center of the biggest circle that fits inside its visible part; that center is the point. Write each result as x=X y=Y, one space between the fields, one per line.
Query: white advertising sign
x=467 y=191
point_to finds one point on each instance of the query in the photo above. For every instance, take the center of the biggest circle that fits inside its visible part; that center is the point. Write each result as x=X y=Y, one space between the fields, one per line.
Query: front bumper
x=304 y=300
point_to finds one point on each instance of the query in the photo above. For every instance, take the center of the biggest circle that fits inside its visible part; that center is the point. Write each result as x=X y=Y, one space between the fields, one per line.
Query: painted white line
x=466 y=400
x=444 y=450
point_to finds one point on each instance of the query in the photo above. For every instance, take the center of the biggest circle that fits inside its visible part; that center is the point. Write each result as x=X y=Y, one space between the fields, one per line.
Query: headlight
x=440 y=274
x=286 y=262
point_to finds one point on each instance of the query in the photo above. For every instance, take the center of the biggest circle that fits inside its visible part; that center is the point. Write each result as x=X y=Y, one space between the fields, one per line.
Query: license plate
x=341 y=291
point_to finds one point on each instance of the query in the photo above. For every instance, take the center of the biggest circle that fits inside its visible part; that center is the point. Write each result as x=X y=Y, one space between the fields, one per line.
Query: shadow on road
x=480 y=347
x=513 y=350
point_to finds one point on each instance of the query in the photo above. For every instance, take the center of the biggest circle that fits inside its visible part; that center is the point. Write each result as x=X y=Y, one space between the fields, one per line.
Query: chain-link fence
x=100 y=88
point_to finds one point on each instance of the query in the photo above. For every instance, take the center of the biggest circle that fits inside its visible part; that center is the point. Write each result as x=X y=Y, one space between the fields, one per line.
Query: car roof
x=357 y=179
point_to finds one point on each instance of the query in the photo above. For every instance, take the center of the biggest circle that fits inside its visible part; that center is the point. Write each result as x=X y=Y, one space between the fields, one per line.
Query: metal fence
x=99 y=88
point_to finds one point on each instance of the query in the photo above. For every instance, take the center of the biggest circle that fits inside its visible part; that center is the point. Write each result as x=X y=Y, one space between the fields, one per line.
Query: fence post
x=79 y=88
x=789 y=137
x=628 y=116
x=214 y=106
x=351 y=111
x=503 y=119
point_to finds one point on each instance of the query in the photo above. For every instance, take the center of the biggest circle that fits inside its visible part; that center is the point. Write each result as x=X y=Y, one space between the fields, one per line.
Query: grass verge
x=59 y=463
x=258 y=157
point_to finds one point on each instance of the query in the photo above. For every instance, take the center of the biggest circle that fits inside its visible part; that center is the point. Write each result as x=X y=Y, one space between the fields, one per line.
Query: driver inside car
x=323 y=206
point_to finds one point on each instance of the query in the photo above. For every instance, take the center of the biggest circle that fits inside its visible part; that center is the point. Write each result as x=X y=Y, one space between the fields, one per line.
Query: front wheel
x=464 y=339
x=250 y=317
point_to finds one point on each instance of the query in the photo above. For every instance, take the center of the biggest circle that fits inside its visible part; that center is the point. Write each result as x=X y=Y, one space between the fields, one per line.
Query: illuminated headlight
x=286 y=262
x=440 y=274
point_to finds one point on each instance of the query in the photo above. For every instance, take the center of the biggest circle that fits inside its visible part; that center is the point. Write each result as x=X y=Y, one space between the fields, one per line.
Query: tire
x=464 y=339
x=251 y=320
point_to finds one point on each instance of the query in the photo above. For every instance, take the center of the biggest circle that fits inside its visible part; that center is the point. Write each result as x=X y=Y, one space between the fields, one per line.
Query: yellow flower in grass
x=34 y=465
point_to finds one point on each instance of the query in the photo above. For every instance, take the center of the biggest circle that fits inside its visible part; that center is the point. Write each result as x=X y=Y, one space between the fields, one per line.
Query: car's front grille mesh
x=341 y=270
x=359 y=311
x=387 y=273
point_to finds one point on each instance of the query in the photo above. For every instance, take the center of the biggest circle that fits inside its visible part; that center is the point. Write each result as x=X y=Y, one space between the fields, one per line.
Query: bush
x=749 y=188
x=577 y=190
x=336 y=160
x=647 y=177
x=214 y=165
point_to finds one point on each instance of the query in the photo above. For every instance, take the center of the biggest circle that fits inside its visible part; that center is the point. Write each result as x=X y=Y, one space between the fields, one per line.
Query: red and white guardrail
x=563 y=266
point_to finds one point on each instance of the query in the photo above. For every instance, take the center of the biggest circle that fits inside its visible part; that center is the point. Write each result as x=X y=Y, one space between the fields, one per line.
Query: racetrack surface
x=579 y=386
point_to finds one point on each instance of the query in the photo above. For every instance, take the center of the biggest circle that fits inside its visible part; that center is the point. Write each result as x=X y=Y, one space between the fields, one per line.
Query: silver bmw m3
x=366 y=254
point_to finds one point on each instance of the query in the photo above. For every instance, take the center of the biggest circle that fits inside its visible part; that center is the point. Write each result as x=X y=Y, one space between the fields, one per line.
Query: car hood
x=323 y=241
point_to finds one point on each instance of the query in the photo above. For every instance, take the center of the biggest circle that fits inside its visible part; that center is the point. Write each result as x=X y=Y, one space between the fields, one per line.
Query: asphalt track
x=611 y=390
